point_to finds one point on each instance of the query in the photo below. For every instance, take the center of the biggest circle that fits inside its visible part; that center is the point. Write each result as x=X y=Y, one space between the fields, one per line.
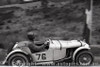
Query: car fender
x=12 y=52
x=85 y=47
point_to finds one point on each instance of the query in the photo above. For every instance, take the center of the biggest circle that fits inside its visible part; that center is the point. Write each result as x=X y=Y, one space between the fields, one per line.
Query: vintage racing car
x=56 y=51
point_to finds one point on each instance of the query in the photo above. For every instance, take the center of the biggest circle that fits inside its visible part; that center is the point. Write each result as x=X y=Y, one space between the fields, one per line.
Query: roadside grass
x=2 y=55
x=65 y=22
x=95 y=50
x=58 y=25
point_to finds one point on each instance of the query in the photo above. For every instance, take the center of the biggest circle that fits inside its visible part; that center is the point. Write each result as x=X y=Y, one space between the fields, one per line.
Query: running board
x=68 y=59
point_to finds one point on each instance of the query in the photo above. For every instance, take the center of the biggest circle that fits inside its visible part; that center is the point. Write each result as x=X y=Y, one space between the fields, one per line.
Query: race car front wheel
x=18 y=60
x=84 y=58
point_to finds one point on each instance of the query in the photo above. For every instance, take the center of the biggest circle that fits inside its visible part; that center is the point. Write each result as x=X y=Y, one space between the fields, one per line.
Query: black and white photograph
x=49 y=33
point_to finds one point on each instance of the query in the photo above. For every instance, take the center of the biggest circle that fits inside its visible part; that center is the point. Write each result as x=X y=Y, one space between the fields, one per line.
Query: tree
x=88 y=23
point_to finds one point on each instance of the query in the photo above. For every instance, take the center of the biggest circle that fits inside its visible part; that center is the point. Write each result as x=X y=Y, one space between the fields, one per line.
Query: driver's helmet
x=31 y=36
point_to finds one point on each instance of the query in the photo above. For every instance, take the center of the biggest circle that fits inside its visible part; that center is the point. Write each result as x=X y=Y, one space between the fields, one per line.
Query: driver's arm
x=39 y=42
x=34 y=47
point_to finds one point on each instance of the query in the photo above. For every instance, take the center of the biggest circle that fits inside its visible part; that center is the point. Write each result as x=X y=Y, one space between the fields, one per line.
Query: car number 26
x=41 y=56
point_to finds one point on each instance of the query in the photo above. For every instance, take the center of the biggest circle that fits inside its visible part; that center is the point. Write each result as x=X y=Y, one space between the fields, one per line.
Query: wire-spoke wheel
x=84 y=58
x=18 y=60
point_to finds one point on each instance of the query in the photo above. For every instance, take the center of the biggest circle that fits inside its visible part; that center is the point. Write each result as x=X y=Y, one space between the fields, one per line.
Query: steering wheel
x=46 y=43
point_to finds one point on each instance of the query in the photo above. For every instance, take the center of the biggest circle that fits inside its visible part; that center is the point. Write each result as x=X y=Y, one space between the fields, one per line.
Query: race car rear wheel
x=84 y=58
x=18 y=60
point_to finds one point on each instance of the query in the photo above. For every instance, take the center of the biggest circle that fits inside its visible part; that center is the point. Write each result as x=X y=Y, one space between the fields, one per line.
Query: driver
x=33 y=46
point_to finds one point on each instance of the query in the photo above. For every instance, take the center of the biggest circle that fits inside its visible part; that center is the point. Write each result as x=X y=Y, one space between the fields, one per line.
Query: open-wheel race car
x=56 y=51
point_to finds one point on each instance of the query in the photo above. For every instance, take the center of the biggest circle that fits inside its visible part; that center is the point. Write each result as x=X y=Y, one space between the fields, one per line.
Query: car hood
x=66 y=44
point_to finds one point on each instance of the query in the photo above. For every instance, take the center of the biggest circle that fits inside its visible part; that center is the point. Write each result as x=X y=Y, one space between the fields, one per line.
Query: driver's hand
x=45 y=42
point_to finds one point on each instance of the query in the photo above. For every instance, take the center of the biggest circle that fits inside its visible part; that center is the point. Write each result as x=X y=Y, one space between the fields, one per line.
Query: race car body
x=56 y=51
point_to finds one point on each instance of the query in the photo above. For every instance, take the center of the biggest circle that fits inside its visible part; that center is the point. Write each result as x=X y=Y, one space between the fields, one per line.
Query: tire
x=18 y=60
x=84 y=58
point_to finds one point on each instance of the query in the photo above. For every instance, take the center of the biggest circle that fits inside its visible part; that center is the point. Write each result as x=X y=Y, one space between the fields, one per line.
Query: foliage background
x=63 y=19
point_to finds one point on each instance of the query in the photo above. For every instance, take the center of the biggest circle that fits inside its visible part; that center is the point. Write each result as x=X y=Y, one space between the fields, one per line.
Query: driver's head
x=31 y=36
